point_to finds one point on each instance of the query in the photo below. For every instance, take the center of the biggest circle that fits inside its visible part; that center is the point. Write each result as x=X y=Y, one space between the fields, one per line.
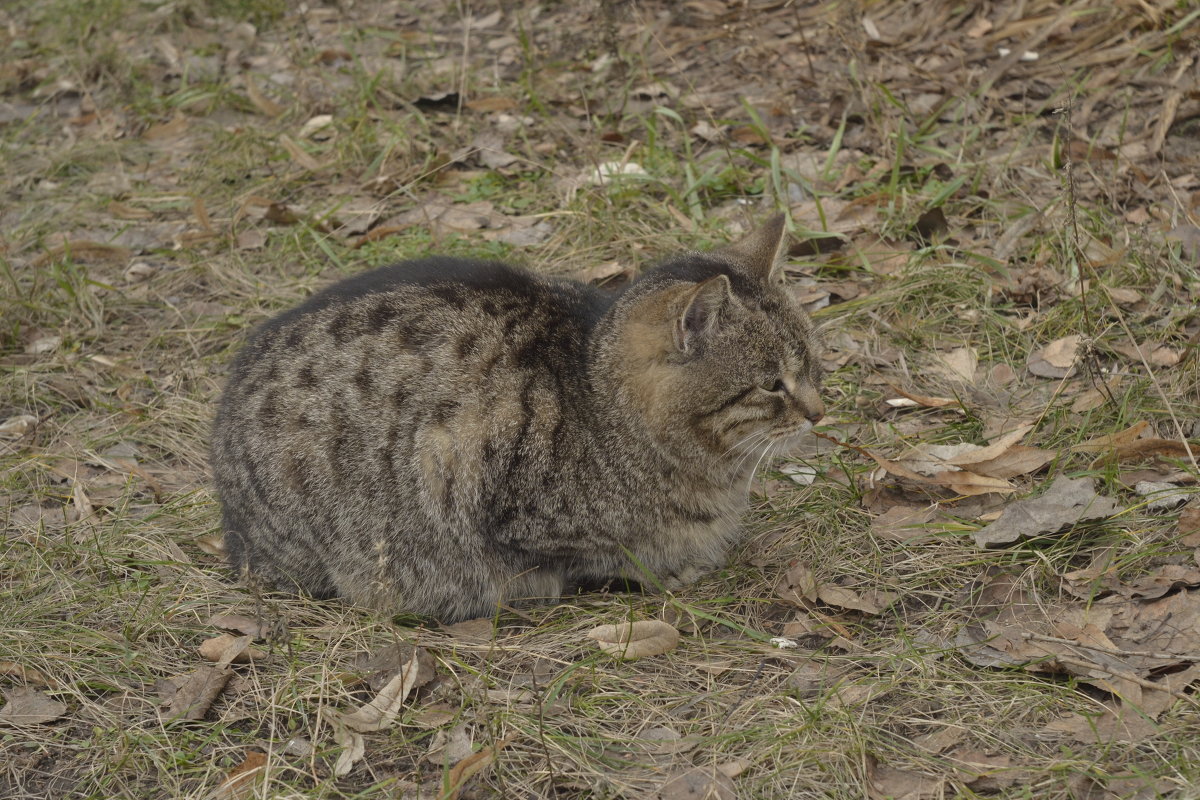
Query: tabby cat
x=443 y=436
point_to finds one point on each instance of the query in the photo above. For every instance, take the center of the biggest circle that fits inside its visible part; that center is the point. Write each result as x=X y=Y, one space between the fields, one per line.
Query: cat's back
x=413 y=303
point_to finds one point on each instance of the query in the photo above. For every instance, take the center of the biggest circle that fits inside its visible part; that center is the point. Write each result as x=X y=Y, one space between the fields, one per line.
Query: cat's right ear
x=758 y=252
x=701 y=313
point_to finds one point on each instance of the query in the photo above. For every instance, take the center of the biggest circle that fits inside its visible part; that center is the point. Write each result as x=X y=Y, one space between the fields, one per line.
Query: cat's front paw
x=687 y=575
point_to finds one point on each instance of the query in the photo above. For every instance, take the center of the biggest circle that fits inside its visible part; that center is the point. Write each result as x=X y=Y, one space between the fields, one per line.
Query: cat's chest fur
x=444 y=435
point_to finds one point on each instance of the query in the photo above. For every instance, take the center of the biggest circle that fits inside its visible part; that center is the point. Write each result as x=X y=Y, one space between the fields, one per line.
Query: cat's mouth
x=785 y=439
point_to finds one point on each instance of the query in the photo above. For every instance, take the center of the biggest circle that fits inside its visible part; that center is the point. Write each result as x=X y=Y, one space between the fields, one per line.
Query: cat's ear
x=757 y=253
x=701 y=312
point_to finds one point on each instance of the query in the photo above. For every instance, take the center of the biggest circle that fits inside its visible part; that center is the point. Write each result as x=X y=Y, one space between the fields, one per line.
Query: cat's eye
x=775 y=388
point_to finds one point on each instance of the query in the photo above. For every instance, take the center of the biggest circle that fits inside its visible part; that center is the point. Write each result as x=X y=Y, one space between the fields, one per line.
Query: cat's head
x=715 y=355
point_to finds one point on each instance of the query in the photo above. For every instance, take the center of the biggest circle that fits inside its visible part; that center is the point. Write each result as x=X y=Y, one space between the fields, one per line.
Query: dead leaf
x=22 y=672
x=252 y=239
x=1162 y=580
x=985 y=772
x=698 y=783
x=630 y=640
x=375 y=715
x=84 y=250
x=1018 y=460
x=195 y=695
x=872 y=601
x=889 y=783
x=1128 y=721
x=1067 y=502
x=263 y=103
x=317 y=127
x=1166 y=357
x=299 y=154
x=240 y=781
x=1057 y=359
x=924 y=400
x=1110 y=441
x=17 y=426
x=973 y=454
x=960 y=364
x=471 y=766
x=173 y=129
x=449 y=746
x=473 y=630
x=213 y=544
x=1095 y=397
x=228 y=649
x=493 y=103
x=28 y=706
x=798 y=585
x=380 y=713
x=601 y=274
x=244 y=625
x=1189 y=523
x=905 y=523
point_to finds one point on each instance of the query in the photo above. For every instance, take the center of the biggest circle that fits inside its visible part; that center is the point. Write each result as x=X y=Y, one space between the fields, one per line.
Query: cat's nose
x=808 y=399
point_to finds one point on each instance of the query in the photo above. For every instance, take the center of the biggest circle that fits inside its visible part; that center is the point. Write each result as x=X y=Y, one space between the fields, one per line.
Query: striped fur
x=443 y=436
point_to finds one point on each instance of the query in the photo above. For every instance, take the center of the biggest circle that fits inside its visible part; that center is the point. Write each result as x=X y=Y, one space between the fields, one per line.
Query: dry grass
x=141 y=148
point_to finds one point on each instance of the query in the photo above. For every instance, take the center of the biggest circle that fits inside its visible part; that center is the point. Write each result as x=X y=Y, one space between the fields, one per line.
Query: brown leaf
x=1110 y=441
x=881 y=256
x=960 y=364
x=377 y=714
x=1066 y=503
x=228 y=649
x=24 y=673
x=698 y=783
x=163 y=131
x=244 y=625
x=213 y=544
x=1128 y=722
x=905 y=523
x=192 y=699
x=923 y=400
x=602 y=274
x=473 y=630
x=1162 y=580
x=28 y=706
x=1166 y=357
x=798 y=585
x=471 y=766
x=493 y=103
x=84 y=250
x=299 y=154
x=380 y=712
x=1018 y=460
x=1055 y=360
x=1189 y=524
x=872 y=601
x=985 y=772
x=889 y=783
x=263 y=103
x=630 y=640
x=239 y=783
x=997 y=448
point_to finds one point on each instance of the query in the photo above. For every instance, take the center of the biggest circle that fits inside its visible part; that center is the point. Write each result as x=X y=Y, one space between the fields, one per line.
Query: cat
x=446 y=436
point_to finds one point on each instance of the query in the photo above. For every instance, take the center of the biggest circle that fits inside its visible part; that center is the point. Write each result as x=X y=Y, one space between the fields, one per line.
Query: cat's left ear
x=701 y=313
x=757 y=253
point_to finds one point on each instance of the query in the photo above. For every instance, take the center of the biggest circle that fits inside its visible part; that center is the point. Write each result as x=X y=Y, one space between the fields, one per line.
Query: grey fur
x=443 y=436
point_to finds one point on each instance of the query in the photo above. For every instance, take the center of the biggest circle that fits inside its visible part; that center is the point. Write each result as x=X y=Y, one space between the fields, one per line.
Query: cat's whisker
x=751 y=444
